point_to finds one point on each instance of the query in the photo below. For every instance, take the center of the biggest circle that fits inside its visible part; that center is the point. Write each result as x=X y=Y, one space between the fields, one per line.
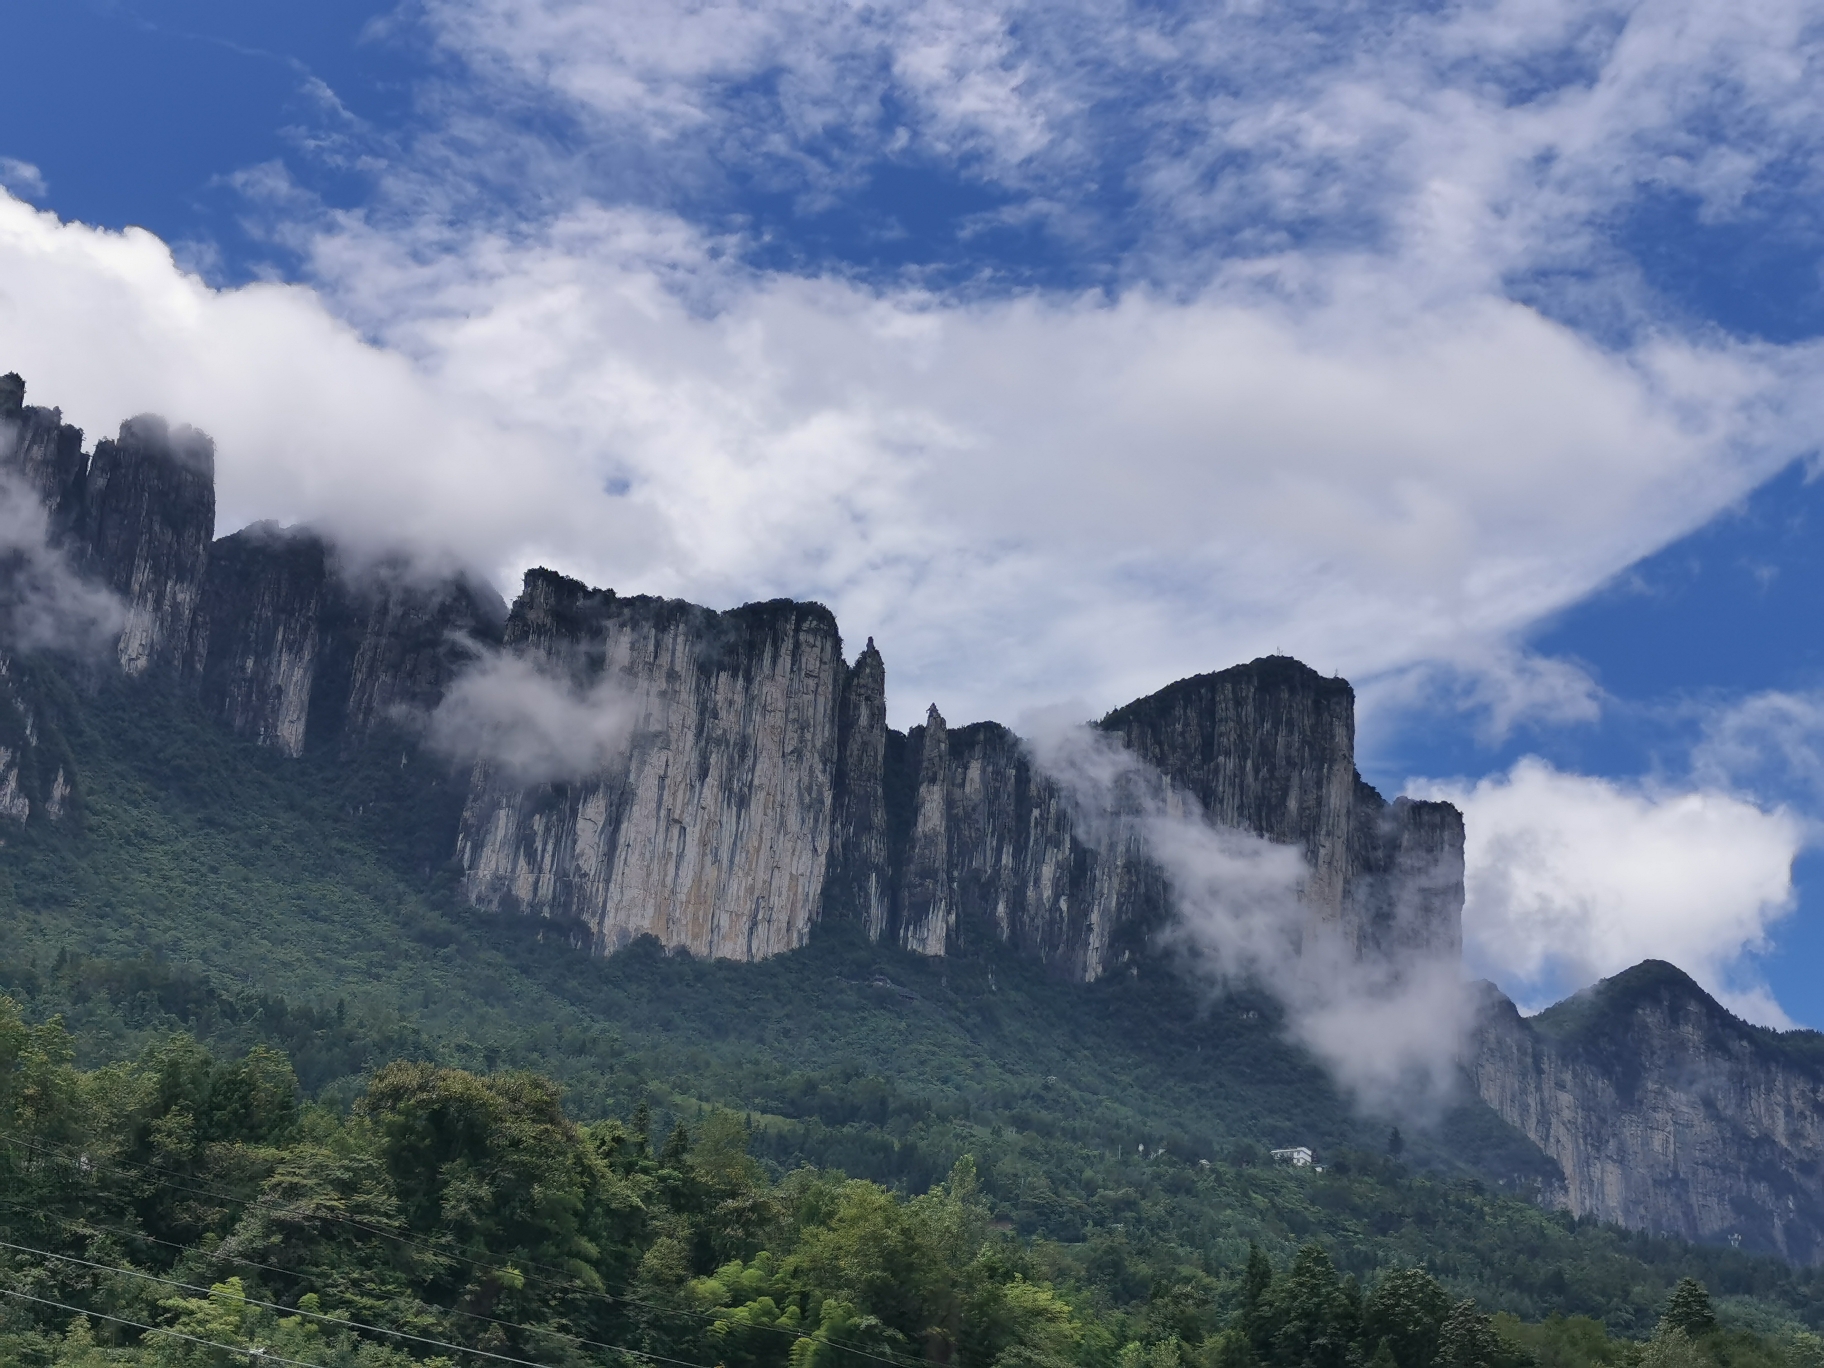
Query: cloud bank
x=1572 y=878
x=1018 y=498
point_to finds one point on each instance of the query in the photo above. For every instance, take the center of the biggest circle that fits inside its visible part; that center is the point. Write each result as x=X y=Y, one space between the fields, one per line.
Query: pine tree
x=1407 y=1309
x=1468 y=1339
x=1689 y=1309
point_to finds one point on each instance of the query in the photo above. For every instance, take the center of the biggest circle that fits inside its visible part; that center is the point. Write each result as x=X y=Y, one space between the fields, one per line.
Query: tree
x=1311 y=1317
x=1670 y=1347
x=1406 y=1311
x=1468 y=1340
x=1256 y=1282
x=1689 y=1309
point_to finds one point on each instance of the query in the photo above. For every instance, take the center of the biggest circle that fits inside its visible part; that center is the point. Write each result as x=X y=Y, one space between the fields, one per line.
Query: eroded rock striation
x=1664 y=1111
x=711 y=827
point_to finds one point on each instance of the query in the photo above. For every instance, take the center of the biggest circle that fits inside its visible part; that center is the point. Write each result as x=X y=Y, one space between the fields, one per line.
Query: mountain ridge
x=755 y=797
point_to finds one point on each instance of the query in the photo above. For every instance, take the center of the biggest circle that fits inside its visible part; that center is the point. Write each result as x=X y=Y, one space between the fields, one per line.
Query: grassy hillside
x=204 y=885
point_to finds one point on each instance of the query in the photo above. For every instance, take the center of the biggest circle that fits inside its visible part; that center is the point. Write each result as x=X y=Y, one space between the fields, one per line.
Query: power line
x=258 y=1355
x=409 y=1242
x=413 y=1304
x=274 y=1306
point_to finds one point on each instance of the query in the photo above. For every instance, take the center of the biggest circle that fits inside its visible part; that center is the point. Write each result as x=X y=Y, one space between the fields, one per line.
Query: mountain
x=317 y=779
x=759 y=788
x=1665 y=1112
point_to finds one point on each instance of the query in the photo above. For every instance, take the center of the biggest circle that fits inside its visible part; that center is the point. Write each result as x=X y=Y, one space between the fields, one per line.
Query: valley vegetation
x=181 y=1209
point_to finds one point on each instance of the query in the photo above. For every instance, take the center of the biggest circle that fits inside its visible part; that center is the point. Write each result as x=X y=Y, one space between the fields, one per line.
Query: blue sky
x=1470 y=350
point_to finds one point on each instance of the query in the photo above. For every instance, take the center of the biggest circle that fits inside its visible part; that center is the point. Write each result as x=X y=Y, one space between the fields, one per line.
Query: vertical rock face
x=1267 y=747
x=292 y=648
x=857 y=884
x=712 y=829
x=990 y=848
x=44 y=452
x=1405 y=878
x=148 y=518
x=255 y=639
x=402 y=640
x=993 y=853
x=37 y=770
x=927 y=913
x=1665 y=1112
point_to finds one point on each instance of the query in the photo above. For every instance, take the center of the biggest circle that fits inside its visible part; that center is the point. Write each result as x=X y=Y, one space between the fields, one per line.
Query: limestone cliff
x=712 y=829
x=37 y=770
x=994 y=853
x=295 y=648
x=136 y=516
x=857 y=882
x=147 y=520
x=1664 y=1111
x=44 y=451
x=254 y=643
x=282 y=638
x=986 y=843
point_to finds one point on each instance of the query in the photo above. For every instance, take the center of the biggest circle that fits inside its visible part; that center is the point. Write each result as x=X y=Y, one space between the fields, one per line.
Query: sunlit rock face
x=711 y=829
x=1664 y=1111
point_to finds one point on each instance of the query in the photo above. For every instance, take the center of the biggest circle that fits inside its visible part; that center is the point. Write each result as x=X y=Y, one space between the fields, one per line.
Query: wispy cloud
x=1387 y=1021
x=23 y=179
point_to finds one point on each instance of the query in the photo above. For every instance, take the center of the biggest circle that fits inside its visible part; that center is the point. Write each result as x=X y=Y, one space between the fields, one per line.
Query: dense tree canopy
x=183 y=1210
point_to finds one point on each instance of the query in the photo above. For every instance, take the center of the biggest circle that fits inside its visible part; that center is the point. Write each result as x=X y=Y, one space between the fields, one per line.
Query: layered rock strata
x=1664 y=1111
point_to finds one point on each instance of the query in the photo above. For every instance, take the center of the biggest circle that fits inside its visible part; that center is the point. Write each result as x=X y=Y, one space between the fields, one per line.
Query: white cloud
x=1019 y=498
x=1770 y=742
x=23 y=179
x=530 y=721
x=311 y=421
x=1572 y=878
x=1471 y=140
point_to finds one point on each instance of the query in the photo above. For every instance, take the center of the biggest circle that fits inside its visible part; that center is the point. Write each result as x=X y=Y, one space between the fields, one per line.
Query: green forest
x=266 y=1084
x=186 y=1210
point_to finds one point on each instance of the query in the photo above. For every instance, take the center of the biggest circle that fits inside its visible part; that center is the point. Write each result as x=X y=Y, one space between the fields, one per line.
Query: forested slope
x=1116 y=1131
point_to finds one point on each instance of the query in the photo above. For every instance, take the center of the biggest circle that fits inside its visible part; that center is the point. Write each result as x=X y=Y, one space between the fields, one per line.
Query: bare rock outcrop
x=1664 y=1111
x=712 y=829
x=982 y=842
